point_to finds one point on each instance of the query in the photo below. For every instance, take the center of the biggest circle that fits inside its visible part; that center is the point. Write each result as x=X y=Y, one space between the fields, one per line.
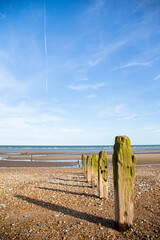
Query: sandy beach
x=49 y=198
x=58 y=203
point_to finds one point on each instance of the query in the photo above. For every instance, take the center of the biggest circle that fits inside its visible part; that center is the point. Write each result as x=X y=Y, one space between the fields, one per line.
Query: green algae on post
x=94 y=179
x=84 y=164
x=89 y=168
x=103 y=174
x=124 y=172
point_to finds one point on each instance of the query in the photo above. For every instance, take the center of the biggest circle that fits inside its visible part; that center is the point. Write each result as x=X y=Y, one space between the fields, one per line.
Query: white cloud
x=25 y=117
x=78 y=87
x=95 y=60
x=127 y=116
x=91 y=96
x=71 y=130
x=96 y=86
x=135 y=64
x=157 y=77
x=87 y=86
x=157 y=130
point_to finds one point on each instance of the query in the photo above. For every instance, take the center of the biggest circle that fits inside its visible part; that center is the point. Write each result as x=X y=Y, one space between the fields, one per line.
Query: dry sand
x=59 y=204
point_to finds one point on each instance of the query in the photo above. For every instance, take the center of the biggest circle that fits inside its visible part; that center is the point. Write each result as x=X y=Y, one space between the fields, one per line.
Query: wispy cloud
x=157 y=131
x=119 y=112
x=105 y=50
x=79 y=87
x=135 y=64
x=2 y=16
x=87 y=86
x=25 y=116
x=91 y=96
x=95 y=61
x=71 y=130
x=98 y=85
x=97 y=6
x=157 y=78
x=8 y=82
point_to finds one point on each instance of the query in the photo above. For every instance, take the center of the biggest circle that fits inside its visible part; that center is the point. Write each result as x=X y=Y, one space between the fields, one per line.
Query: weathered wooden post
x=94 y=179
x=84 y=164
x=103 y=175
x=89 y=168
x=124 y=172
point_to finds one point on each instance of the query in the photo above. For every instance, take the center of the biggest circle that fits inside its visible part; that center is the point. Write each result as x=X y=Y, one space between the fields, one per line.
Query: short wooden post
x=103 y=175
x=124 y=173
x=94 y=179
x=89 y=168
x=84 y=164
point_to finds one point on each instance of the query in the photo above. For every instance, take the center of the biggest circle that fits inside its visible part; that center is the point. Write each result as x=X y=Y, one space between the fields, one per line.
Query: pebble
x=40 y=224
x=3 y=205
x=53 y=224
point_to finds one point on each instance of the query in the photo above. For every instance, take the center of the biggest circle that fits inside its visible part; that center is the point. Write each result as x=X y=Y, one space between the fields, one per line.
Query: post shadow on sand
x=70 y=185
x=70 y=173
x=67 y=211
x=69 y=192
x=69 y=180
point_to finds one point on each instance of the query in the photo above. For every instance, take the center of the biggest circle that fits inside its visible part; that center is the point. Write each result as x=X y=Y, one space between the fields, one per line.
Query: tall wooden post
x=89 y=168
x=124 y=173
x=94 y=179
x=103 y=175
x=84 y=164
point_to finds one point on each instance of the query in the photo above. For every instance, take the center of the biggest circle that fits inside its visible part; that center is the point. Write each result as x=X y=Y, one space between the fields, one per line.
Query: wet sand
x=39 y=164
x=59 y=204
x=40 y=159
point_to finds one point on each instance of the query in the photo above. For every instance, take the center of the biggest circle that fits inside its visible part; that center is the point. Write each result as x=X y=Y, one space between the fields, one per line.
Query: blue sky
x=79 y=72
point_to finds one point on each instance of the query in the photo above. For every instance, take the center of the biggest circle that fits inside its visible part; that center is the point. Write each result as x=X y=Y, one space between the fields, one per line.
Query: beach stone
x=94 y=179
x=84 y=164
x=124 y=172
x=89 y=168
x=103 y=175
x=2 y=205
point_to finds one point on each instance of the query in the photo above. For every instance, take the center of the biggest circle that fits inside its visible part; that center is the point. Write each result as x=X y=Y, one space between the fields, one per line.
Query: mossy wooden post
x=89 y=168
x=94 y=179
x=103 y=174
x=84 y=164
x=124 y=173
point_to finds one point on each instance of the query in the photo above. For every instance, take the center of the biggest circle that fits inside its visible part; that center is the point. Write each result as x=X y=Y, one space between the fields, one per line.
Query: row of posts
x=95 y=169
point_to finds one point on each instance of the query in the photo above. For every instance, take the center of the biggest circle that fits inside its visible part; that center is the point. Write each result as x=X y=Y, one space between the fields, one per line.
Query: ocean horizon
x=70 y=148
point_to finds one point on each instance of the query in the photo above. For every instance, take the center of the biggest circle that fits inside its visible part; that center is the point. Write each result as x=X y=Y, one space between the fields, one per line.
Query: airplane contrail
x=45 y=44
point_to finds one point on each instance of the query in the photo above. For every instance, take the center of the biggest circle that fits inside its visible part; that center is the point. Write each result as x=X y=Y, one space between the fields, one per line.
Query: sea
x=80 y=148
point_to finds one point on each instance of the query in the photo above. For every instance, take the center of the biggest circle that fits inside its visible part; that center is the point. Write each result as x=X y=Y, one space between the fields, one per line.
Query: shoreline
x=43 y=159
